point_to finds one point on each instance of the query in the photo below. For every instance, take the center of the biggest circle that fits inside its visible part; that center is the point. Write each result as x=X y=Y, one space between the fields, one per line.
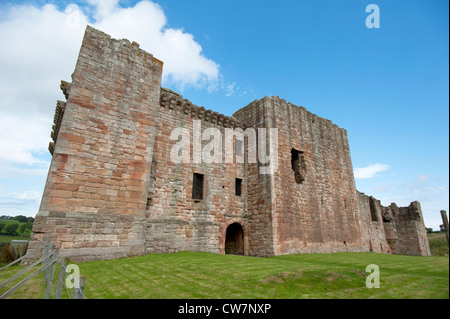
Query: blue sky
x=388 y=87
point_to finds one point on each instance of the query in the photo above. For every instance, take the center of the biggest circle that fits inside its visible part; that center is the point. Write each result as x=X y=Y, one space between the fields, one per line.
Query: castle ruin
x=113 y=191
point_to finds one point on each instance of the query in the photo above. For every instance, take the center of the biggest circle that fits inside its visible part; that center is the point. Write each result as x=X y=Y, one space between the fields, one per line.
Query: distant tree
x=25 y=228
x=21 y=218
x=442 y=229
x=429 y=230
x=11 y=229
x=2 y=225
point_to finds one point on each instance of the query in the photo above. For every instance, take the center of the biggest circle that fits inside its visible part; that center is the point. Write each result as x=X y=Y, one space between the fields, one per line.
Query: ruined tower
x=113 y=189
x=96 y=190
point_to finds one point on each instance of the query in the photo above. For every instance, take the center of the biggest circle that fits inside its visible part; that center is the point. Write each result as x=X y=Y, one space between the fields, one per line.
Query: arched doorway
x=234 y=242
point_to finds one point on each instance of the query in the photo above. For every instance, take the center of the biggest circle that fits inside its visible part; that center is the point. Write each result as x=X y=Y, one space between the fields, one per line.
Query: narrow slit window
x=373 y=210
x=149 y=200
x=197 y=188
x=238 y=186
x=239 y=147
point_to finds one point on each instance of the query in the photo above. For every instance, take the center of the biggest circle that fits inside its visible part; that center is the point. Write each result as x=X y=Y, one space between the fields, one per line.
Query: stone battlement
x=174 y=101
x=129 y=47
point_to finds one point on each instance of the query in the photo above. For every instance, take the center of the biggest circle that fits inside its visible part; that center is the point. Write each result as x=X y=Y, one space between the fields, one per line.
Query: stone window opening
x=298 y=165
x=238 y=186
x=151 y=184
x=197 y=187
x=239 y=147
x=149 y=200
x=373 y=211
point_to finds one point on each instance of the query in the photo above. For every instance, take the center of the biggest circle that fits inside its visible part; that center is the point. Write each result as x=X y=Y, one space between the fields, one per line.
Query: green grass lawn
x=188 y=275
x=438 y=244
x=7 y=239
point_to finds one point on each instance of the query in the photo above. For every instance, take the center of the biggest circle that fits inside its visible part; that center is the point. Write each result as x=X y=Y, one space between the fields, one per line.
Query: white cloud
x=21 y=137
x=38 y=50
x=27 y=196
x=422 y=178
x=9 y=171
x=146 y=23
x=40 y=47
x=370 y=171
x=381 y=188
x=231 y=89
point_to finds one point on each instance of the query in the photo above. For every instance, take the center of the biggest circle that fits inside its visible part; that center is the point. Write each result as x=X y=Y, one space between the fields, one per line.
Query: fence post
x=77 y=292
x=445 y=221
x=47 y=250
x=61 y=278
x=49 y=262
x=50 y=280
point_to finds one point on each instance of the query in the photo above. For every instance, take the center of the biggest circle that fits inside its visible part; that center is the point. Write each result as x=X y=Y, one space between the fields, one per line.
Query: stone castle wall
x=313 y=207
x=392 y=229
x=372 y=226
x=176 y=221
x=412 y=235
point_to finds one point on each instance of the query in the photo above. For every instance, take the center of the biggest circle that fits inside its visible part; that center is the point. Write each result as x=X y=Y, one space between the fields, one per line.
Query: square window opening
x=197 y=187
x=238 y=186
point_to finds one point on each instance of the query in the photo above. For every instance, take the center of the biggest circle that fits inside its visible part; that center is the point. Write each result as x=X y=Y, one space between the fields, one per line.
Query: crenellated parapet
x=65 y=88
x=59 y=113
x=174 y=101
x=57 y=119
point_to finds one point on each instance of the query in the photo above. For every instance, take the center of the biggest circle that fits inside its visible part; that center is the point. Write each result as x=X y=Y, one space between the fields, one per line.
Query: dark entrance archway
x=234 y=242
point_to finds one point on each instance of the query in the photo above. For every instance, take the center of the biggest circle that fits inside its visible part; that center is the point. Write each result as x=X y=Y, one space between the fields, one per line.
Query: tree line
x=431 y=231
x=23 y=226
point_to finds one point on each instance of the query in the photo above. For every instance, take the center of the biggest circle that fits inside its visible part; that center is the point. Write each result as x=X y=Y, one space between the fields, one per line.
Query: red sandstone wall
x=102 y=157
x=372 y=225
x=412 y=235
x=177 y=222
x=260 y=187
x=393 y=229
x=321 y=213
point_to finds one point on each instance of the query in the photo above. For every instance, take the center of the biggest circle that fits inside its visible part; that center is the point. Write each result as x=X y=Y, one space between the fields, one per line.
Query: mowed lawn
x=187 y=275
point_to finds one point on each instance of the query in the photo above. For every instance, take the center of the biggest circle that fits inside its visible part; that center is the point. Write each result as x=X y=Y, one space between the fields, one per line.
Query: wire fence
x=48 y=264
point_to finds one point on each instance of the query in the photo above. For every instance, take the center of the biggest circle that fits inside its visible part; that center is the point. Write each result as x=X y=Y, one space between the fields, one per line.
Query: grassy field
x=6 y=239
x=187 y=275
x=22 y=235
x=438 y=244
